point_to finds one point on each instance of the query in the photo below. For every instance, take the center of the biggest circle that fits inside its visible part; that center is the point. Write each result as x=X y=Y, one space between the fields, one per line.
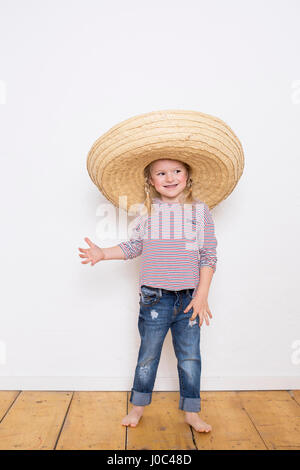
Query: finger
x=82 y=250
x=206 y=319
x=188 y=308
x=85 y=262
x=89 y=242
x=194 y=315
x=209 y=312
x=83 y=256
x=201 y=319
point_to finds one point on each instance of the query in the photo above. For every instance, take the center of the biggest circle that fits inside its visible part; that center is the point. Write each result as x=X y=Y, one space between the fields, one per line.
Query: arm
x=113 y=252
x=95 y=253
x=206 y=274
x=134 y=247
x=124 y=250
x=208 y=255
x=208 y=260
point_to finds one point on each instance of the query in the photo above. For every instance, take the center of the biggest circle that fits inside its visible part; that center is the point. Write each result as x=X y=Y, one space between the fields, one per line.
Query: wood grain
x=162 y=426
x=34 y=420
x=276 y=416
x=231 y=427
x=245 y=420
x=94 y=422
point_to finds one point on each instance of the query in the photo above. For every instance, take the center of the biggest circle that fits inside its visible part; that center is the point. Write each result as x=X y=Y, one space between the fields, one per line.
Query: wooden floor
x=92 y=420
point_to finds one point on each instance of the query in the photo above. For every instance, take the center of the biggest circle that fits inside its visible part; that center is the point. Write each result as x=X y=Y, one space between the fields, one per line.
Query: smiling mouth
x=171 y=186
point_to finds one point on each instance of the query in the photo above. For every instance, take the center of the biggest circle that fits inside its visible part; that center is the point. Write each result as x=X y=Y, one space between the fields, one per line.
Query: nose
x=169 y=177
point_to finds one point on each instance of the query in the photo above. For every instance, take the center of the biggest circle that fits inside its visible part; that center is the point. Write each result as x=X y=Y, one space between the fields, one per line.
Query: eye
x=162 y=172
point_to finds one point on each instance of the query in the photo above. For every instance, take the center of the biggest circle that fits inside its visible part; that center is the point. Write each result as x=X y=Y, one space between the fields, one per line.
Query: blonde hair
x=150 y=191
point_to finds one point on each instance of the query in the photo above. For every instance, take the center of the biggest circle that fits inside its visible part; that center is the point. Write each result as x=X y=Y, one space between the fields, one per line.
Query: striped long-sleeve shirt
x=174 y=244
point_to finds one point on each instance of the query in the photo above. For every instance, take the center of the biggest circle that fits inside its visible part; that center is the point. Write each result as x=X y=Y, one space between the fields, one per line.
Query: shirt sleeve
x=208 y=251
x=134 y=246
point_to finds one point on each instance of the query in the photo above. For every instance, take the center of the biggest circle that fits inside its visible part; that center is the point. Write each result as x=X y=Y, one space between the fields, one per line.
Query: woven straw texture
x=117 y=159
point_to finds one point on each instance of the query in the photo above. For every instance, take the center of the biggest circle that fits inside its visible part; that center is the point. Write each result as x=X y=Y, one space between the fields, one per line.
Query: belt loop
x=160 y=292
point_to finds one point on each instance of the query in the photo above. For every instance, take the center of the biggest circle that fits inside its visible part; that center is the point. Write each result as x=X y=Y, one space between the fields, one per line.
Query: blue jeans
x=161 y=309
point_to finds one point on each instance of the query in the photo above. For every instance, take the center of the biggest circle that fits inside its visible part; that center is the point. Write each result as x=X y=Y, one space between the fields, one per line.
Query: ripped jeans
x=161 y=309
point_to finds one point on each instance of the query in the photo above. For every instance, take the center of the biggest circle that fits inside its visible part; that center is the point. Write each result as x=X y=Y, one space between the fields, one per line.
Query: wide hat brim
x=117 y=159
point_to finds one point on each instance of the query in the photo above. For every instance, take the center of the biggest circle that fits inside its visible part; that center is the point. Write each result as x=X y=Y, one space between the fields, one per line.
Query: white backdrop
x=69 y=71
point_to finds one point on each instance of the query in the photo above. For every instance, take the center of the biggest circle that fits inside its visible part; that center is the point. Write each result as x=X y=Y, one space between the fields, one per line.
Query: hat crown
x=117 y=159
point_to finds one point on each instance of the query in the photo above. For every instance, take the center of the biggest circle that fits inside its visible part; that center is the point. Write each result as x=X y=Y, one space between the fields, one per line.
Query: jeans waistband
x=185 y=291
x=160 y=290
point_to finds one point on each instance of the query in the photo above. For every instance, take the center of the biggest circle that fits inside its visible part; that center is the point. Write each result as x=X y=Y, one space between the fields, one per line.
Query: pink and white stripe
x=174 y=244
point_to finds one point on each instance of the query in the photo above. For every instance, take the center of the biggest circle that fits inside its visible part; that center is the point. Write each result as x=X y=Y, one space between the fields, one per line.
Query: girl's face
x=169 y=178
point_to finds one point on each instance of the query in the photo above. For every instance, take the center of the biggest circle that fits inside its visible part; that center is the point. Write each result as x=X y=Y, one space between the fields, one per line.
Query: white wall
x=70 y=70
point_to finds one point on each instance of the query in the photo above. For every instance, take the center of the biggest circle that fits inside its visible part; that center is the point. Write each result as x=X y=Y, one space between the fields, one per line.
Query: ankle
x=138 y=408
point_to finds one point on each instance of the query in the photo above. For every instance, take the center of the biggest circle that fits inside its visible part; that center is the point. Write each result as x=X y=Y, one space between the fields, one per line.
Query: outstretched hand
x=92 y=254
x=201 y=309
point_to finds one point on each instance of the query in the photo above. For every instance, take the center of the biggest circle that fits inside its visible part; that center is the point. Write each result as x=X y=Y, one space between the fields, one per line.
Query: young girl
x=175 y=278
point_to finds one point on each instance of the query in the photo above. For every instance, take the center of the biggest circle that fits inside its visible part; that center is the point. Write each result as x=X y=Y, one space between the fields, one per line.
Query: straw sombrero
x=117 y=159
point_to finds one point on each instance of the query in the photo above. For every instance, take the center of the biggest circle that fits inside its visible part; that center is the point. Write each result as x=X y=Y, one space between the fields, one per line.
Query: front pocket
x=148 y=295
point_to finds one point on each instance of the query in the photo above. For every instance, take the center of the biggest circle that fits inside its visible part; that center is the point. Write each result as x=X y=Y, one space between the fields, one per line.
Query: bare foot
x=196 y=422
x=133 y=416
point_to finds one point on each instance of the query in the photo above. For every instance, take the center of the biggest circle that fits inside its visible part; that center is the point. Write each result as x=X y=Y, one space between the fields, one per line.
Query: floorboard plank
x=162 y=426
x=276 y=415
x=34 y=421
x=231 y=427
x=7 y=398
x=94 y=422
x=288 y=448
x=295 y=394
